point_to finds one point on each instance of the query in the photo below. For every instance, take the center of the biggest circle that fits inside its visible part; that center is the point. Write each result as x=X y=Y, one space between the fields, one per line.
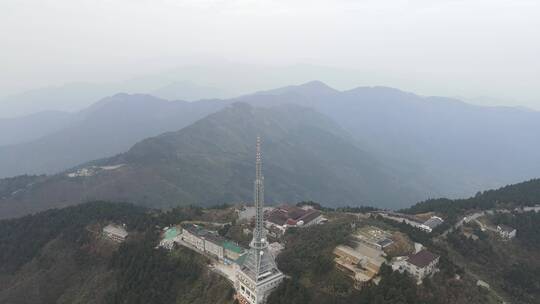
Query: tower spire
x=259 y=238
x=258 y=275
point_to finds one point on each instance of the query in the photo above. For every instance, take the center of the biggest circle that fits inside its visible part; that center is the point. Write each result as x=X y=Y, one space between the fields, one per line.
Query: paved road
x=466 y=219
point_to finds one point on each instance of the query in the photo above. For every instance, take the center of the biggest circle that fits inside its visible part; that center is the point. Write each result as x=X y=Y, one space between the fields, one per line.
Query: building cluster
x=253 y=272
x=362 y=259
x=285 y=216
x=84 y=172
x=503 y=231
x=115 y=233
x=535 y=208
x=412 y=220
x=208 y=242
x=419 y=265
x=92 y=170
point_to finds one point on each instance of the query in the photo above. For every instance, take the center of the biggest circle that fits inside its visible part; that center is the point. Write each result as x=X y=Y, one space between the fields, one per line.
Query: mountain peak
x=308 y=89
x=316 y=85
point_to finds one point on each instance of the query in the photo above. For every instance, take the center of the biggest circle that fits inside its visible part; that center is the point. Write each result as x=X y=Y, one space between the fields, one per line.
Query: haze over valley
x=401 y=148
x=269 y=152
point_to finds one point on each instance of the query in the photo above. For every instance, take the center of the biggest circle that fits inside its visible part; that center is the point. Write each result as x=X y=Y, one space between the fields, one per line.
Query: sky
x=469 y=48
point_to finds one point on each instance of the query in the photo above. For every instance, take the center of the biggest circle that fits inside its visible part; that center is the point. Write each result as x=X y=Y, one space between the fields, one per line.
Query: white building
x=192 y=235
x=431 y=224
x=210 y=243
x=506 y=232
x=419 y=265
x=115 y=233
x=536 y=208
x=213 y=244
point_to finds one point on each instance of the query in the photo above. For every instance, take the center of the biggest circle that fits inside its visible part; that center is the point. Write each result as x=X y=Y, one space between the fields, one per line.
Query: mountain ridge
x=211 y=162
x=409 y=135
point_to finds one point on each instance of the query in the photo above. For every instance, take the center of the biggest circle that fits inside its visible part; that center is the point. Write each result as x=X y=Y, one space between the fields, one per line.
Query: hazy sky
x=448 y=47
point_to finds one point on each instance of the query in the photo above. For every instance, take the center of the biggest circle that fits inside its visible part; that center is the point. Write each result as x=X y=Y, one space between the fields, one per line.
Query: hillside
x=450 y=147
x=401 y=141
x=509 y=266
x=307 y=156
x=58 y=256
x=108 y=127
x=415 y=136
x=510 y=196
x=32 y=127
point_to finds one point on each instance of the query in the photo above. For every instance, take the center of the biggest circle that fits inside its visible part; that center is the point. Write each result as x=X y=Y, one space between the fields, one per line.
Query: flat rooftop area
x=171 y=233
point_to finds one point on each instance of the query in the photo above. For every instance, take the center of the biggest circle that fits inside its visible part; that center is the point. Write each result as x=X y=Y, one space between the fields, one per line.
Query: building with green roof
x=232 y=251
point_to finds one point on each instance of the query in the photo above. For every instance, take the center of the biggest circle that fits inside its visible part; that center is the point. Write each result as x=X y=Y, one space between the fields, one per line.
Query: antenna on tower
x=259 y=240
x=259 y=268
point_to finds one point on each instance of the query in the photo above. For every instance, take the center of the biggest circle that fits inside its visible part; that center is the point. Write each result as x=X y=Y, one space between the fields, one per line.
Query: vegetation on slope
x=60 y=256
x=526 y=193
x=146 y=275
x=22 y=239
x=54 y=251
x=306 y=156
x=11 y=186
x=510 y=266
x=308 y=260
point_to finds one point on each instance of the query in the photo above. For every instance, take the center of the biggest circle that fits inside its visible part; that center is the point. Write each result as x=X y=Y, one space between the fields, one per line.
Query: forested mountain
x=416 y=135
x=453 y=147
x=307 y=156
x=408 y=140
x=58 y=256
x=509 y=197
x=108 y=127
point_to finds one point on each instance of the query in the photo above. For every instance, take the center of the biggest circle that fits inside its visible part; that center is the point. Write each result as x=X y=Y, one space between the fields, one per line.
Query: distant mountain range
x=24 y=129
x=448 y=145
x=104 y=129
x=75 y=97
x=219 y=79
x=306 y=156
x=370 y=145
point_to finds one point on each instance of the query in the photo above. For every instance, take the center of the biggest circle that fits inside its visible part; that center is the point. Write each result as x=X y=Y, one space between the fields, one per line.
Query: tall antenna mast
x=259 y=238
x=258 y=275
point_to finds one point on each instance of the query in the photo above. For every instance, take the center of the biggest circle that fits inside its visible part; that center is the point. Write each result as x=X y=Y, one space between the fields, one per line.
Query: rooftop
x=228 y=245
x=214 y=238
x=310 y=215
x=116 y=230
x=374 y=235
x=290 y=215
x=211 y=236
x=433 y=222
x=422 y=258
x=171 y=233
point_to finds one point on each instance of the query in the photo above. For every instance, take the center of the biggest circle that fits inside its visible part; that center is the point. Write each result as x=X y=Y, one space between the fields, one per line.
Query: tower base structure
x=250 y=292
